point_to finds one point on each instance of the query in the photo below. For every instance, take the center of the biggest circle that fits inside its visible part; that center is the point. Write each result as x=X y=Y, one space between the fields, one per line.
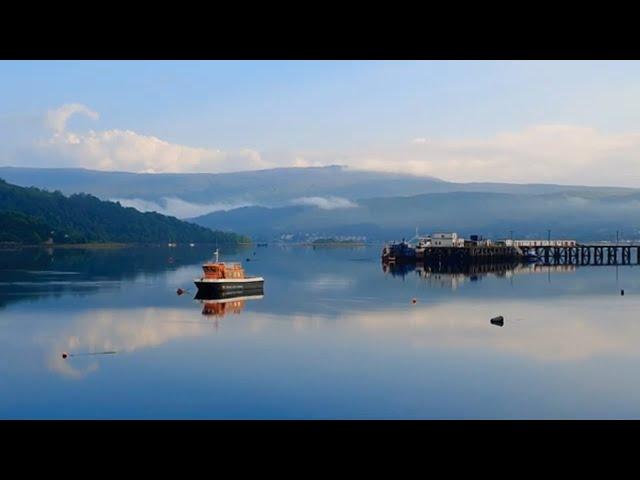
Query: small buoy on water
x=248 y=259
x=499 y=321
x=65 y=354
x=622 y=292
x=180 y=291
x=414 y=301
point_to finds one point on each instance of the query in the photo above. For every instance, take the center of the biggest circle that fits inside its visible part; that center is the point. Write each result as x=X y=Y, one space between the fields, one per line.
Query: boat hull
x=229 y=288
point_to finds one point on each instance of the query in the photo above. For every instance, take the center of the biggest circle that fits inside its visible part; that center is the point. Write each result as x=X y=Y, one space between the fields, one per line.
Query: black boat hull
x=230 y=289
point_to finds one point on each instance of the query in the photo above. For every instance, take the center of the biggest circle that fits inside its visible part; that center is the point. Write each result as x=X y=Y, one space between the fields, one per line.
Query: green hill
x=31 y=216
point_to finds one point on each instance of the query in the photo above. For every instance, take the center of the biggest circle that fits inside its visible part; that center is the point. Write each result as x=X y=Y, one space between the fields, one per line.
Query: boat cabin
x=223 y=270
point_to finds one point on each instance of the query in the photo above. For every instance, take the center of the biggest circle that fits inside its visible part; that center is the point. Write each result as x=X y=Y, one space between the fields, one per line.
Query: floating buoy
x=180 y=291
x=248 y=259
x=414 y=301
x=65 y=354
x=622 y=292
x=499 y=321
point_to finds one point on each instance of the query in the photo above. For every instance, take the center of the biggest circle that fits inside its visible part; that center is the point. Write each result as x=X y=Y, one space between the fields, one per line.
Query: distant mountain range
x=271 y=188
x=492 y=214
x=340 y=201
x=33 y=216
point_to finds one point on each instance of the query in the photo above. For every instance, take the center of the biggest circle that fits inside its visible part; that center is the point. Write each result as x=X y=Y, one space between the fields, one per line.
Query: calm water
x=333 y=337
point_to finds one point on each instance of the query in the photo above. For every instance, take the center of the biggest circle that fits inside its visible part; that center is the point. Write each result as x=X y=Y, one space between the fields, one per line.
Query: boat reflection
x=221 y=305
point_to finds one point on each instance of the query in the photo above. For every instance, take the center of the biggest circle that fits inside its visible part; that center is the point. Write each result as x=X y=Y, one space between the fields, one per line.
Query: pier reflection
x=453 y=275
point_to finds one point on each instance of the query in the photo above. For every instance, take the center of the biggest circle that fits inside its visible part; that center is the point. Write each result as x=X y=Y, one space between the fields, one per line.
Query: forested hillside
x=31 y=215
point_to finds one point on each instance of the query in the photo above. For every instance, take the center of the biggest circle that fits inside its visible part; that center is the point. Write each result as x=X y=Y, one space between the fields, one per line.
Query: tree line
x=31 y=216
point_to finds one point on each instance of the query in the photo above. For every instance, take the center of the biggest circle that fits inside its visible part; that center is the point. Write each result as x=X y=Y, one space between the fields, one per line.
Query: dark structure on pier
x=456 y=256
x=469 y=255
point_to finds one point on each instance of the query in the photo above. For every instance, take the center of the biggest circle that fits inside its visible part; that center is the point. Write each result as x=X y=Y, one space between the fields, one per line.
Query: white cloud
x=126 y=150
x=57 y=119
x=325 y=203
x=177 y=207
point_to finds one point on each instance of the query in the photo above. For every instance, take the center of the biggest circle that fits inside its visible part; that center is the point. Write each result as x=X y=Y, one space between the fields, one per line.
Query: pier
x=449 y=249
x=586 y=254
x=468 y=254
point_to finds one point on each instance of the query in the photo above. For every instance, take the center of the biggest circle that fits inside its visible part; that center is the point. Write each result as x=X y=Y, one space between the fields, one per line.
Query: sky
x=570 y=122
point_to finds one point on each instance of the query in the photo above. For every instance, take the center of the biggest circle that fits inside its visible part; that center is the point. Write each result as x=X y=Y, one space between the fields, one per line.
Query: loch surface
x=333 y=336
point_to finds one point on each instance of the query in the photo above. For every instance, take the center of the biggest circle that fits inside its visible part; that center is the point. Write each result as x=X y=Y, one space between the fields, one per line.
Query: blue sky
x=257 y=114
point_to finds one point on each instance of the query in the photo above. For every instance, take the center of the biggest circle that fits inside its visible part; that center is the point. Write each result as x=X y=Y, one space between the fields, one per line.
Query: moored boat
x=225 y=278
x=398 y=252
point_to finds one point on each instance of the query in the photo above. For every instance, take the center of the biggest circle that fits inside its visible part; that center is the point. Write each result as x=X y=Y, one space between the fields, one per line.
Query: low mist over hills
x=492 y=214
x=340 y=201
x=271 y=188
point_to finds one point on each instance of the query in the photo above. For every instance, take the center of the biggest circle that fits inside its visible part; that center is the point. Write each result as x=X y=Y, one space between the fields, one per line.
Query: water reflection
x=221 y=306
x=109 y=330
x=28 y=274
x=452 y=276
x=471 y=270
x=332 y=336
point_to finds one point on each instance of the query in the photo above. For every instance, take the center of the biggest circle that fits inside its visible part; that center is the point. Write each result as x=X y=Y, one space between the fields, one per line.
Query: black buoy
x=499 y=321
x=248 y=259
x=180 y=291
x=65 y=354
x=622 y=292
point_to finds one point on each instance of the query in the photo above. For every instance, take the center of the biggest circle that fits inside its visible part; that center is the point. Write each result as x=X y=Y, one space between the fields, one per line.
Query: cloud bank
x=325 y=203
x=551 y=153
x=177 y=207
x=126 y=150
x=567 y=154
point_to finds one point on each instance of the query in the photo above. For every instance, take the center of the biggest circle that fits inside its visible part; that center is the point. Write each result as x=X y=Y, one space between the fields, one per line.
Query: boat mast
x=216 y=254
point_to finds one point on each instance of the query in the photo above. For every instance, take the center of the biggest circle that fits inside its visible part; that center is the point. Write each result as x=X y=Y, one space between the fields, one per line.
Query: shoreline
x=112 y=245
x=333 y=244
